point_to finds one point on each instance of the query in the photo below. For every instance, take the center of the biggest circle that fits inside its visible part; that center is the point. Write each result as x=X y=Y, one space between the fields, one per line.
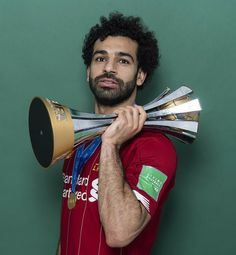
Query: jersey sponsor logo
x=151 y=180
x=67 y=179
x=91 y=195
x=79 y=194
x=94 y=191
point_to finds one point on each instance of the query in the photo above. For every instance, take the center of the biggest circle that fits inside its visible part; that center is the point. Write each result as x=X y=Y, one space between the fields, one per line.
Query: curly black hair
x=129 y=26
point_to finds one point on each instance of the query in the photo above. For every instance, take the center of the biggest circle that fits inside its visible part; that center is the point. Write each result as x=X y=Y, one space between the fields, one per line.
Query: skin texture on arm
x=123 y=217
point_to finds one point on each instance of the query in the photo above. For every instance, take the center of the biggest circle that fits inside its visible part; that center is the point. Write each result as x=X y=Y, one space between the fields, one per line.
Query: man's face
x=113 y=74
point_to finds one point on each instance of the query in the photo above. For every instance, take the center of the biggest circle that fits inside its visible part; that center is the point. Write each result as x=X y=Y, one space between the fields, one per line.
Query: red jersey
x=149 y=163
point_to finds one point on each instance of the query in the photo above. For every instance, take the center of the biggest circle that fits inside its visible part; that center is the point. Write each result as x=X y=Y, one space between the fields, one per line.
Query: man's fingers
x=142 y=115
x=132 y=116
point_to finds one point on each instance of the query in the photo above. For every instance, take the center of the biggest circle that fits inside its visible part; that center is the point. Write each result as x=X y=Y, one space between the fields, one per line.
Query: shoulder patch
x=151 y=180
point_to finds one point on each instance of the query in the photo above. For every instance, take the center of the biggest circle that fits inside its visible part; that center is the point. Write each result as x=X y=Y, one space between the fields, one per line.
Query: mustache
x=108 y=75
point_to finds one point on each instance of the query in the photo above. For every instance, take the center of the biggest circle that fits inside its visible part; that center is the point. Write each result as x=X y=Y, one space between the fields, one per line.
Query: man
x=113 y=205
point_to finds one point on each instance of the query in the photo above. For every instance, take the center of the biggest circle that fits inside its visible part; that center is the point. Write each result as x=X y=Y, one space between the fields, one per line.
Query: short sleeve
x=150 y=167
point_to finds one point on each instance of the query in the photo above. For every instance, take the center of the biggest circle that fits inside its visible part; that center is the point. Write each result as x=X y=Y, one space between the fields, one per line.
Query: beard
x=112 y=96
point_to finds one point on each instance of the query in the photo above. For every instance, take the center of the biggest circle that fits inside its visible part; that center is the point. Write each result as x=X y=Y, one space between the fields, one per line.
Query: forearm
x=121 y=214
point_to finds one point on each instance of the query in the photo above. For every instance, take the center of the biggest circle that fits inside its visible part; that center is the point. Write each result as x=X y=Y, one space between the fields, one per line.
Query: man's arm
x=123 y=217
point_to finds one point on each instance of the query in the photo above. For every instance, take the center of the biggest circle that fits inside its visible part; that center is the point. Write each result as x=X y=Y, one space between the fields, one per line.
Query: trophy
x=55 y=130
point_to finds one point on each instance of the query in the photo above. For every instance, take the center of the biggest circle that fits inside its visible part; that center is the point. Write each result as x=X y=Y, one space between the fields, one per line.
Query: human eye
x=100 y=59
x=124 y=61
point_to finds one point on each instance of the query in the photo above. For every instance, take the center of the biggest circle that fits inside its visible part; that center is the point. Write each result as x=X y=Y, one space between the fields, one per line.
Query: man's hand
x=129 y=122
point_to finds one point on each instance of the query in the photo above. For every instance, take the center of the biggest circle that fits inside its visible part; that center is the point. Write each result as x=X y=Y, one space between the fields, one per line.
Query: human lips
x=108 y=83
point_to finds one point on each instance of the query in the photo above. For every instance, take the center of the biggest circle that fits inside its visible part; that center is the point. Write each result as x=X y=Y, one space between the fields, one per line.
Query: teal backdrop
x=40 y=55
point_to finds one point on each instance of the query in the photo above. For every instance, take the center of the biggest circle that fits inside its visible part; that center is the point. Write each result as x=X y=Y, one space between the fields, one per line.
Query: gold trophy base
x=51 y=131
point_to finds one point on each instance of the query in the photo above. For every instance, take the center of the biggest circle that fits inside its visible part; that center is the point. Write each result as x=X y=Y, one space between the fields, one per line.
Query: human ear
x=140 y=77
x=88 y=73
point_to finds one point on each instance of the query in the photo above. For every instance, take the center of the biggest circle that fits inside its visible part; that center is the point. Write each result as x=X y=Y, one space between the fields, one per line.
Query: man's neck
x=104 y=109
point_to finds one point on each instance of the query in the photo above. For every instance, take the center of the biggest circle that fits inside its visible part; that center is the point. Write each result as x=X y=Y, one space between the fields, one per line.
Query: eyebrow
x=120 y=54
x=124 y=54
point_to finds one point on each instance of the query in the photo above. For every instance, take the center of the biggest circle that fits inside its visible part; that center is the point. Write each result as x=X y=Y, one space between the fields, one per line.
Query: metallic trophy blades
x=191 y=126
x=182 y=91
x=165 y=92
x=191 y=106
x=55 y=130
x=93 y=116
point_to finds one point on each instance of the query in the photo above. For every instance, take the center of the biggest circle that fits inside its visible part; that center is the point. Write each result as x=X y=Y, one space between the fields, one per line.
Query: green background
x=40 y=55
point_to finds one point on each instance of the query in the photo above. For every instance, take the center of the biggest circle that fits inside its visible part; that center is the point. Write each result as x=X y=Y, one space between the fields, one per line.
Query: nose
x=110 y=66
